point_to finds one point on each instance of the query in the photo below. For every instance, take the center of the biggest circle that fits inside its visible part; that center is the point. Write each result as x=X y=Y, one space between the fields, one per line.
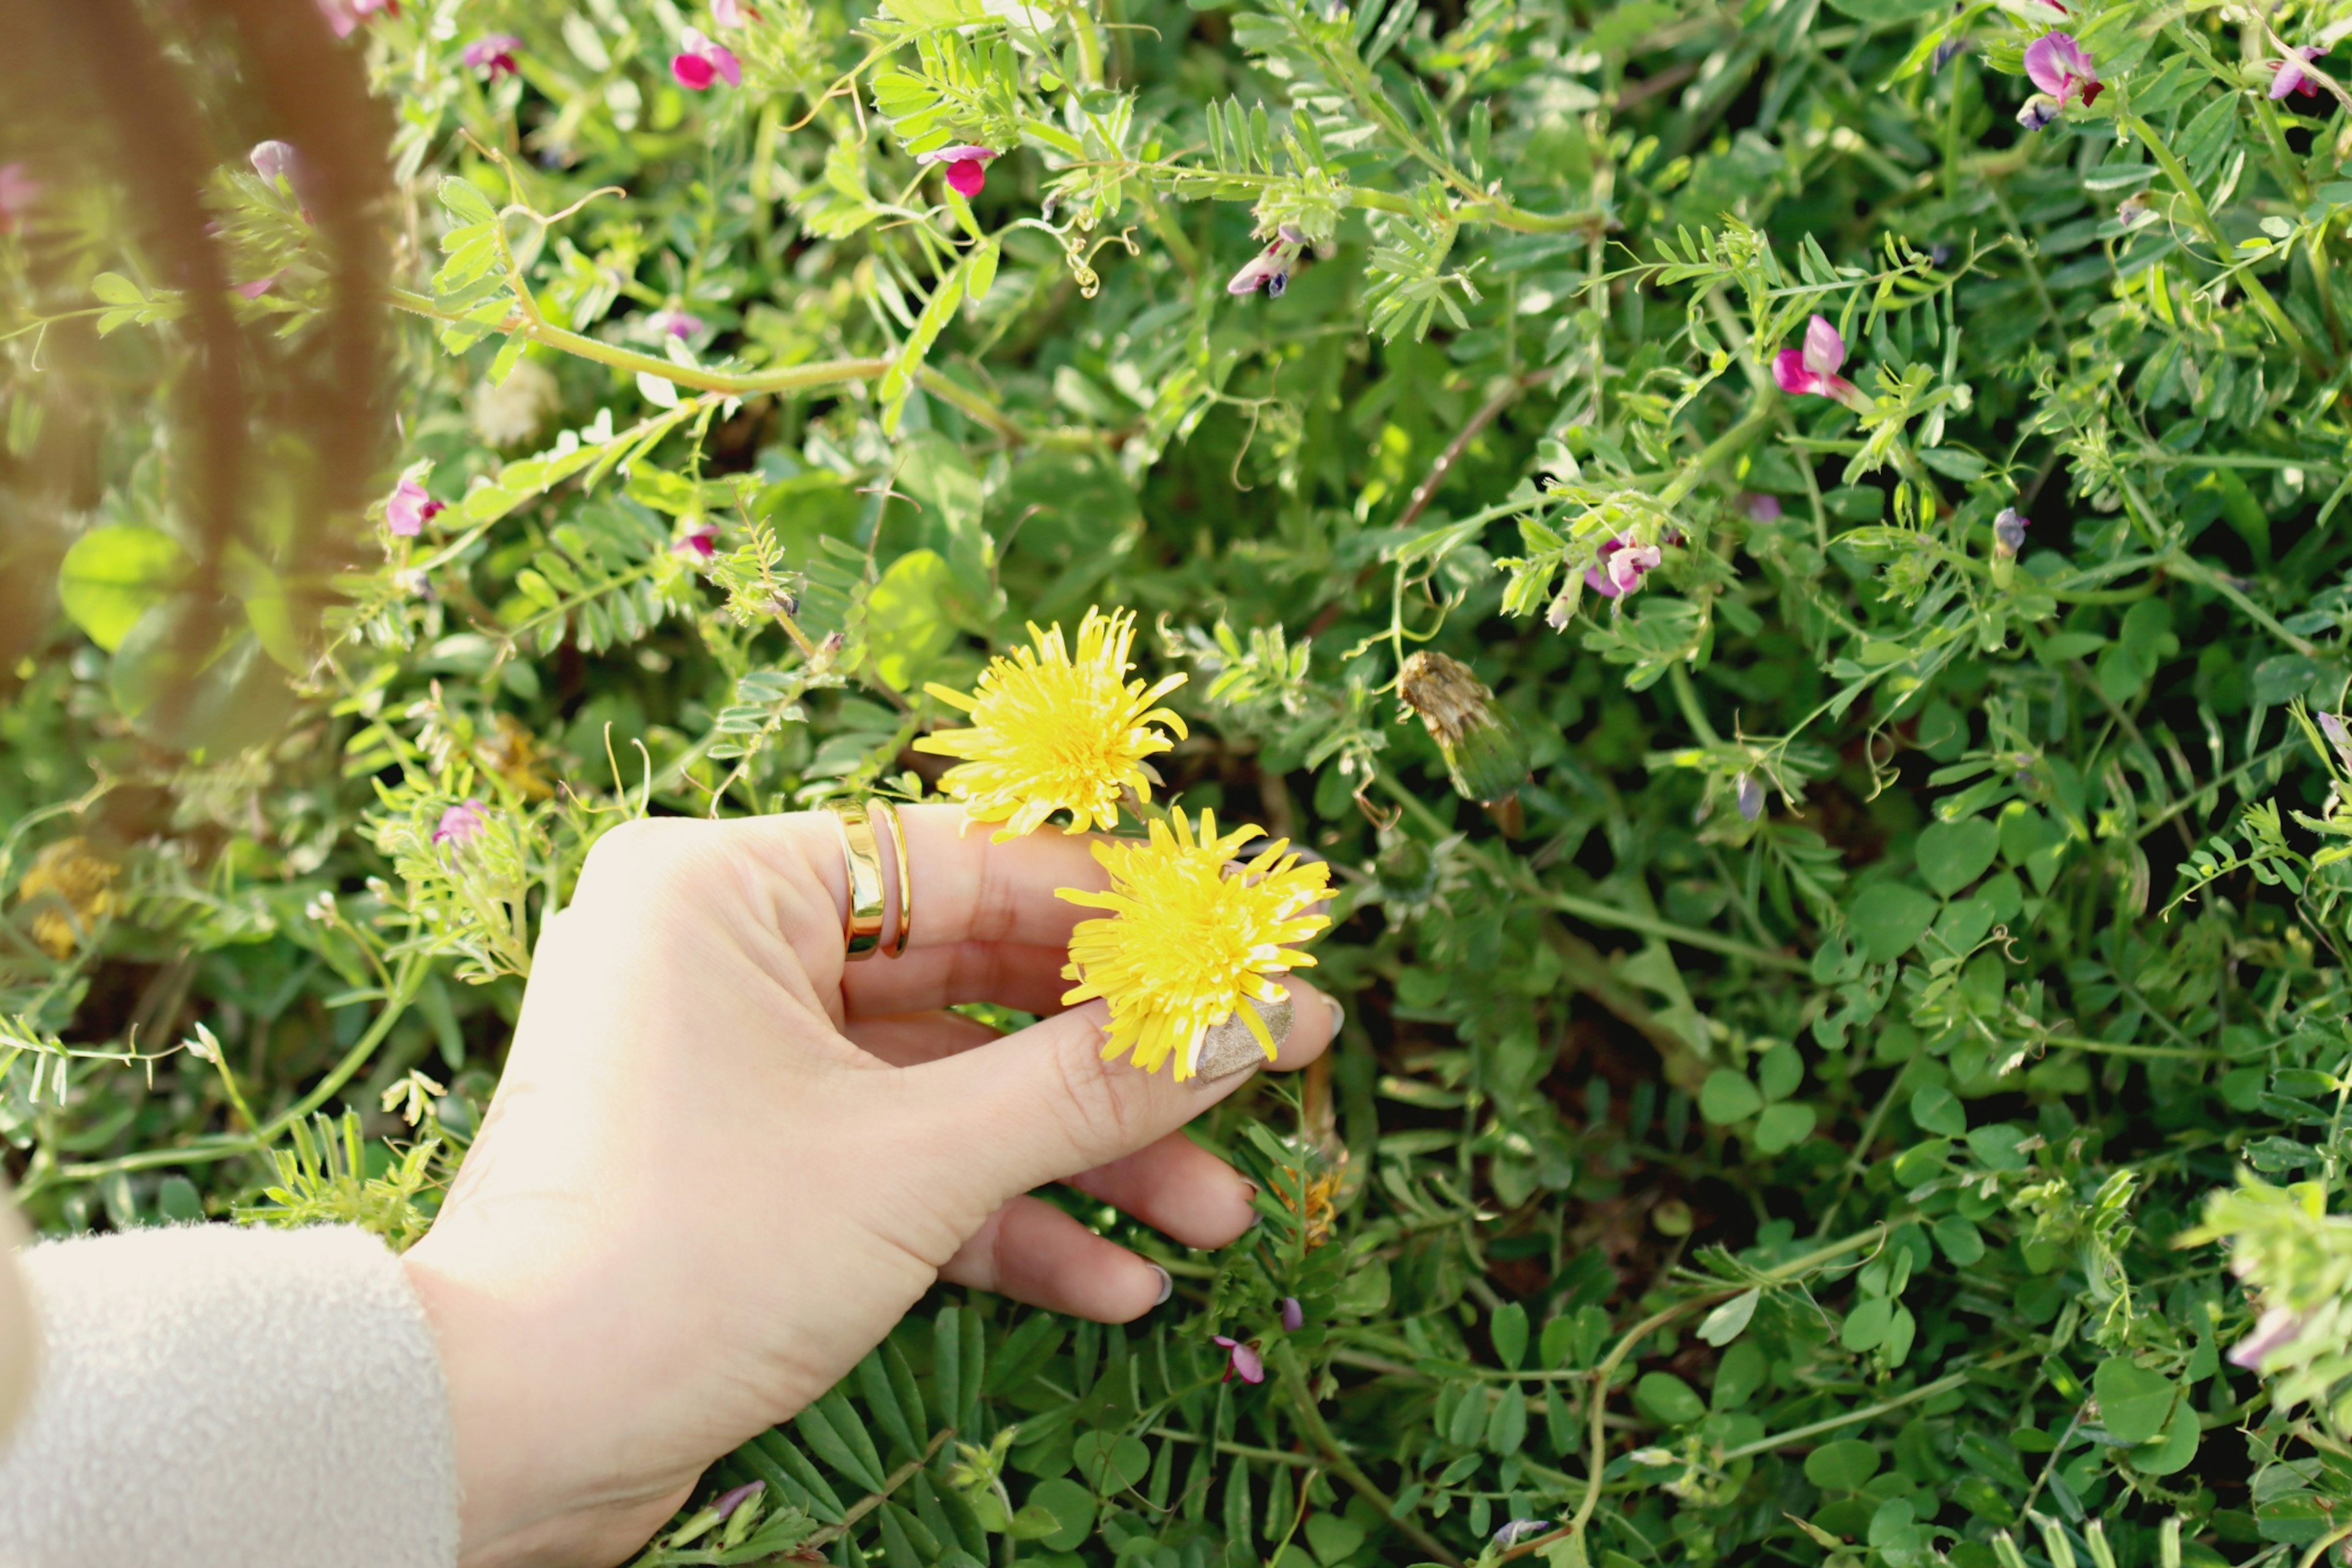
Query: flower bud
x=1482 y=747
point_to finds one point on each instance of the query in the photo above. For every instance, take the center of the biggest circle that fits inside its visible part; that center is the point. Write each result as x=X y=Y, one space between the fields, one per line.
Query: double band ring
x=868 y=929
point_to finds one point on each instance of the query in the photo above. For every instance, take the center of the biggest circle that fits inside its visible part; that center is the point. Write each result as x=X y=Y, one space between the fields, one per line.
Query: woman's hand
x=722 y=1164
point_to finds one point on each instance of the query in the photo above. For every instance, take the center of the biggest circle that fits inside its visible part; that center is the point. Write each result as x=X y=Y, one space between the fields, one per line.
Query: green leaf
x=1071 y=1507
x=115 y=574
x=1953 y=854
x=1668 y=1400
x=1730 y=1320
x=907 y=625
x=1509 y=1328
x=1866 y=1326
x=1841 y=1466
x=1937 y=1109
x=2173 y=1450
x=467 y=204
x=1889 y=919
x=1507 y=1429
x=1727 y=1097
x=1783 y=1126
x=2134 y=1404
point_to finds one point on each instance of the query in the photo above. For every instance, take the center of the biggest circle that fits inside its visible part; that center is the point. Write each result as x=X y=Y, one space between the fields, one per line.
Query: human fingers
x=1032 y=1252
x=967 y=887
x=1011 y=974
x=1176 y=1187
x=1052 y=1107
x=910 y=1039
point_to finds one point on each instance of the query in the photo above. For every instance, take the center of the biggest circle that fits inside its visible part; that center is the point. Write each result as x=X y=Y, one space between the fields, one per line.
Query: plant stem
x=1294 y=1378
x=872 y=1501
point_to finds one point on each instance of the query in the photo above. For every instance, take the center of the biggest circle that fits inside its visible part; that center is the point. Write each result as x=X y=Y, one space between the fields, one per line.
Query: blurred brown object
x=114 y=116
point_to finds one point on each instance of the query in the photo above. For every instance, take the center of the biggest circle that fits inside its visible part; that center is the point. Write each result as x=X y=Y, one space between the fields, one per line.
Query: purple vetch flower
x=697 y=542
x=272 y=160
x=2134 y=209
x=2060 y=67
x=1294 y=1316
x=19 y=191
x=727 y=1503
x=700 y=62
x=1240 y=1360
x=2288 y=74
x=2009 y=533
x=408 y=509
x=675 y=322
x=461 y=823
x=967 y=164
x=2339 y=735
x=1748 y=792
x=1520 y=1530
x=1270 y=268
x=1945 y=51
x=1814 y=368
x=2278 y=1328
x=1760 y=506
x=493 y=52
x=2038 y=112
x=1621 y=568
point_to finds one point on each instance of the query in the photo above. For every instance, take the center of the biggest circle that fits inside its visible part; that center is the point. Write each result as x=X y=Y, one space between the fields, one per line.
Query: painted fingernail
x=1232 y=1046
x=1167 y=1286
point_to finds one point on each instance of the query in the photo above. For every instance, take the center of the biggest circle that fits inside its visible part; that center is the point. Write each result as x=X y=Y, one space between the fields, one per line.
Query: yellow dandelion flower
x=1191 y=936
x=1051 y=733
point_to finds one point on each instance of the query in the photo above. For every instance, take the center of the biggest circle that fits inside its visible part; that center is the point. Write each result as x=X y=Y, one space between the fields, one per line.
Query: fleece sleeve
x=211 y=1396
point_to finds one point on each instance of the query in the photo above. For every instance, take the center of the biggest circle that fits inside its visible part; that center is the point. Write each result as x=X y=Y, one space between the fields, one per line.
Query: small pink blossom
x=2339 y=736
x=675 y=322
x=2278 y=1328
x=409 y=508
x=493 y=52
x=1760 y=506
x=343 y=16
x=258 y=288
x=2060 y=67
x=697 y=542
x=967 y=164
x=727 y=1503
x=1270 y=268
x=1242 y=1361
x=19 y=191
x=272 y=160
x=2290 y=76
x=700 y=62
x=461 y=823
x=1621 y=568
x=1294 y=1316
x=1814 y=368
x=731 y=13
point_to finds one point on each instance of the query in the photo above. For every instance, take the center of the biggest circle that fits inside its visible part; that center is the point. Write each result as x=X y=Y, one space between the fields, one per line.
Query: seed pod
x=1482 y=746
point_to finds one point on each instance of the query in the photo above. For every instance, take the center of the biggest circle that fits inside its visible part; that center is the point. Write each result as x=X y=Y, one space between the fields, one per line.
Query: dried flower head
x=1480 y=743
x=1191 y=937
x=1052 y=732
x=69 y=888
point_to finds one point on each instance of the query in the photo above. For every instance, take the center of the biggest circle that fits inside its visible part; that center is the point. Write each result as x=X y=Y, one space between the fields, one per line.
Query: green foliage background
x=1803 y=1189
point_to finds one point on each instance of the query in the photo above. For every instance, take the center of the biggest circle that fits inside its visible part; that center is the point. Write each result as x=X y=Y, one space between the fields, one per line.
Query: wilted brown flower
x=69 y=888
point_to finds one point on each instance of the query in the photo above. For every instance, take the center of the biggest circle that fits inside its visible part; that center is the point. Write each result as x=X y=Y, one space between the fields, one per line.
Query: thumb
x=1041 y=1104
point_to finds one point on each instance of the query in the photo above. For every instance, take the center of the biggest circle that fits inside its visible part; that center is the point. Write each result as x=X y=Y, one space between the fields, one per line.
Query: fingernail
x=1253 y=1186
x=1232 y=1046
x=1167 y=1286
x=1339 y=1014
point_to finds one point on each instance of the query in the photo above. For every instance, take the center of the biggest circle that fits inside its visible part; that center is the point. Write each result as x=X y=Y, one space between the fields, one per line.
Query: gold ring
x=868 y=931
x=862 y=857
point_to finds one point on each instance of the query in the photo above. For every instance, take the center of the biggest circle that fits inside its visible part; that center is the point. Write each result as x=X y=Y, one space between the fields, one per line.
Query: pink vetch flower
x=19 y=191
x=272 y=160
x=1814 y=368
x=1760 y=506
x=728 y=1501
x=675 y=322
x=409 y=508
x=2278 y=1328
x=256 y=288
x=2290 y=76
x=1270 y=268
x=1240 y=1360
x=2060 y=67
x=2009 y=533
x=967 y=164
x=494 y=52
x=697 y=542
x=700 y=62
x=731 y=13
x=1621 y=568
x=461 y=823
x=2339 y=735
x=344 y=15
x=1294 y=1316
